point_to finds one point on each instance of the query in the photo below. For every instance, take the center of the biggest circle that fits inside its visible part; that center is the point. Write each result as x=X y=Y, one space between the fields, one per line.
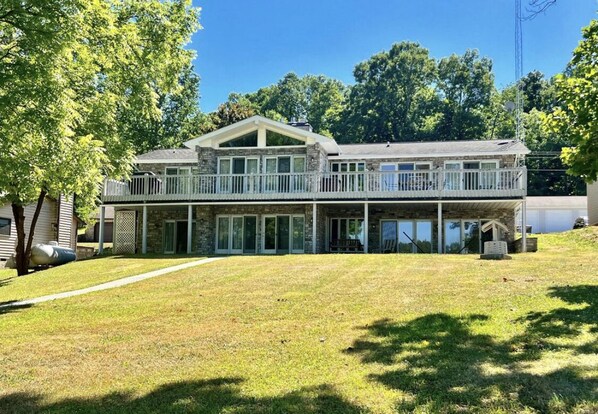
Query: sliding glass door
x=409 y=236
x=284 y=234
x=236 y=234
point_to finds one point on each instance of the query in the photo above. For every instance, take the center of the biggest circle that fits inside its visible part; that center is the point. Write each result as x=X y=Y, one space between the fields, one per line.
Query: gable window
x=5 y=226
x=247 y=140
x=275 y=139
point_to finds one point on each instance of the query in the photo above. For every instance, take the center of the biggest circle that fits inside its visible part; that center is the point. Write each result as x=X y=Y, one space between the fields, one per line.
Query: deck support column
x=101 y=235
x=189 y=228
x=314 y=228
x=366 y=213
x=144 y=231
x=523 y=226
x=439 y=229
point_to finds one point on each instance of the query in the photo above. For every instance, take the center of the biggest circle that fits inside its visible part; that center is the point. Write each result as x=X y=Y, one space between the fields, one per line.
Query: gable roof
x=435 y=149
x=253 y=123
x=180 y=155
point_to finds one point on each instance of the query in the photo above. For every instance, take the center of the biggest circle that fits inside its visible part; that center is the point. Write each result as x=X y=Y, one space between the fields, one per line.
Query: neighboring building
x=56 y=222
x=593 y=203
x=554 y=214
x=260 y=186
x=92 y=233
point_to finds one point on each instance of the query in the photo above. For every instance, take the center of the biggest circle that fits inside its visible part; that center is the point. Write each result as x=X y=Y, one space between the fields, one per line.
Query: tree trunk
x=23 y=252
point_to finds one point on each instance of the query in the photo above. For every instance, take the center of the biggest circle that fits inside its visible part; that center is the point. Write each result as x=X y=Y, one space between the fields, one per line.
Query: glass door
x=452 y=179
x=389 y=236
x=471 y=236
x=223 y=227
x=283 y=233
x=169 y=230
x=405 y=237
x=237 y=235
x=238 y=175
x=471 y=178
x=252 y=170
x=423 y=232
x=388 y=177
x=284 y=168
x=249 y=234
x=224 y=168
x=271 y=179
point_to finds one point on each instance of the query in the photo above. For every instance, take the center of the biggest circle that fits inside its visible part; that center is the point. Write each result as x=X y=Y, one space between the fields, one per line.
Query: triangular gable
x=259 y=123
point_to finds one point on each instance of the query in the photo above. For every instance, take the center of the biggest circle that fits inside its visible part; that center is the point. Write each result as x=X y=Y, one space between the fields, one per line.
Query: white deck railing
x=434 y=184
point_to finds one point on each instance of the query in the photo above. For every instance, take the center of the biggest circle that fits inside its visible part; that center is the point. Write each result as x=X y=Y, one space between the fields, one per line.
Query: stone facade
x=205 y=216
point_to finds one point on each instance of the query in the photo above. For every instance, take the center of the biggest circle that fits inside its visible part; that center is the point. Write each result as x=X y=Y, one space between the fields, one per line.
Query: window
x=347 y=229
x=247 y=140
x=178 y=180
x=5 y=226
x=274 y=139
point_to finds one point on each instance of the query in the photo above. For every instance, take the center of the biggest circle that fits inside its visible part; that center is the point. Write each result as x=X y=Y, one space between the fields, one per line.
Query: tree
x=386 y=102
x=576 y=117
x=69 y=70
x=465 y=84
x=179 y=120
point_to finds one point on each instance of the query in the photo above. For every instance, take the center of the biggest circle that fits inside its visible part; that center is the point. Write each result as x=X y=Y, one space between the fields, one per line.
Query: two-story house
x=264 y=187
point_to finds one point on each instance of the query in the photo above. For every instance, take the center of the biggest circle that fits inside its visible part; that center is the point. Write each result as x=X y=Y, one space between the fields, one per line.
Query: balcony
x=371 y=185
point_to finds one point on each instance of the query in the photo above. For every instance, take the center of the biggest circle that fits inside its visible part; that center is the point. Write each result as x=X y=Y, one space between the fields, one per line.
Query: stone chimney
x=301 y=124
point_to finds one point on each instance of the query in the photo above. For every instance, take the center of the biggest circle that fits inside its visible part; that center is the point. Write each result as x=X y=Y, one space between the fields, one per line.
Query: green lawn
x=80 y=274
x=326 y=333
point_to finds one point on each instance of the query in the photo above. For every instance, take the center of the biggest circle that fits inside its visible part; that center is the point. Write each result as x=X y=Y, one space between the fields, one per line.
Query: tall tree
x=68 y=69
x=386 y=102
x=576 y=118
x=465 y=84
x=179 y=119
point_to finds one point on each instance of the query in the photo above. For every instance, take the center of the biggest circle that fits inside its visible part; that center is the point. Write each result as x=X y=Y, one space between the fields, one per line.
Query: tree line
x=405 y=95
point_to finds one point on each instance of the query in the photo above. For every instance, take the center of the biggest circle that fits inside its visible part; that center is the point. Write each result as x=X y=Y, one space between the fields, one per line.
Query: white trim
x=213 y=139
x=420 y=155
x=165 y=161
x=296 y=202
x=229 y=249
x=263 y=249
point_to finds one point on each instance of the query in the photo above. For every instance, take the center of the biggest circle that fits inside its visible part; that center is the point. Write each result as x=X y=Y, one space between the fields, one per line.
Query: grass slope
x=327 y=333
x=80 y=274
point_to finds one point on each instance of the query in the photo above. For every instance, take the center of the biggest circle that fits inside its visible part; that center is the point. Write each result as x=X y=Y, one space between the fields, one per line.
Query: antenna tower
x=519 y=130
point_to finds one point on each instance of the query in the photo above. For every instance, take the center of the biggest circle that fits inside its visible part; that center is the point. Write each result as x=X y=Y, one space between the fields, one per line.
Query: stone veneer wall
x=155 y=227
x=160 y=168
x=205 y=217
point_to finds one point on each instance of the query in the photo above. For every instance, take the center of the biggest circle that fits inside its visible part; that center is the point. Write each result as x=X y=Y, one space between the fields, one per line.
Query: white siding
x=65 y=221
x=44 y=231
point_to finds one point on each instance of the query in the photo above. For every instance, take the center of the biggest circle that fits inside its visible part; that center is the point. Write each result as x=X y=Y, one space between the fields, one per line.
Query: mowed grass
x=326 y=333
x=80 y=274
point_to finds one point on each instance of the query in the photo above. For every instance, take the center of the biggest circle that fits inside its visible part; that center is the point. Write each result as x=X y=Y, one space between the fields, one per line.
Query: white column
x=523 y=226
x=439 y=231
x=144 y=231
x=189 y=228
x=366 y=213
x=314 y=229
x=101 y=235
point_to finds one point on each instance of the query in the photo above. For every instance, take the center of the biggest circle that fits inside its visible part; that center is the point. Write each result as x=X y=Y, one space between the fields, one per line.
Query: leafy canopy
x=69 y=70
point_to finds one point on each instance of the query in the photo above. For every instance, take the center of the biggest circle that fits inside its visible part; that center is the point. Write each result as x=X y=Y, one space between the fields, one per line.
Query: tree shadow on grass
x=443 y=364
x=207 y=396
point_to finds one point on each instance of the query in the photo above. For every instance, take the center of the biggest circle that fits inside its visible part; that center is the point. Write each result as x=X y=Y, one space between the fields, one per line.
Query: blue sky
x=245 y=45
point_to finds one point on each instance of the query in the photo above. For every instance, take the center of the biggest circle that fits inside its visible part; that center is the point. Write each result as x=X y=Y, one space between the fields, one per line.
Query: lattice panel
x=125 y=233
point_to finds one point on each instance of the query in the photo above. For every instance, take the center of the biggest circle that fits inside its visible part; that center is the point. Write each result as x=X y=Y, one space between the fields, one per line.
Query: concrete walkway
x=110 y=285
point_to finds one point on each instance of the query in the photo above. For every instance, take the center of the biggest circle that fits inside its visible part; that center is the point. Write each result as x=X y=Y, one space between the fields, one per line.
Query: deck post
x=144 y=231
x=189 y=228
x=313 y=228
x=523 y=226
x=101 y=235
x=366 y=213
x=439 y=230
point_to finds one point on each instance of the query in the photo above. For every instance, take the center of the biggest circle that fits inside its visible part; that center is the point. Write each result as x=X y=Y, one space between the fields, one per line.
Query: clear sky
x=248 y=44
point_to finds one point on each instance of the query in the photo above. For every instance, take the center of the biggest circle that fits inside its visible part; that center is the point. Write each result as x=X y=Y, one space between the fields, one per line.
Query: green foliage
x=389 y=101
x=69 y=72
x=576 y=118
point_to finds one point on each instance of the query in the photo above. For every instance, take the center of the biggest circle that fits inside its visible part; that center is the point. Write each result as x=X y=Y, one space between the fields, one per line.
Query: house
x=593 y=203
x=56 y=222
x=554 y=214
x=264 y=187
x=92 y=233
